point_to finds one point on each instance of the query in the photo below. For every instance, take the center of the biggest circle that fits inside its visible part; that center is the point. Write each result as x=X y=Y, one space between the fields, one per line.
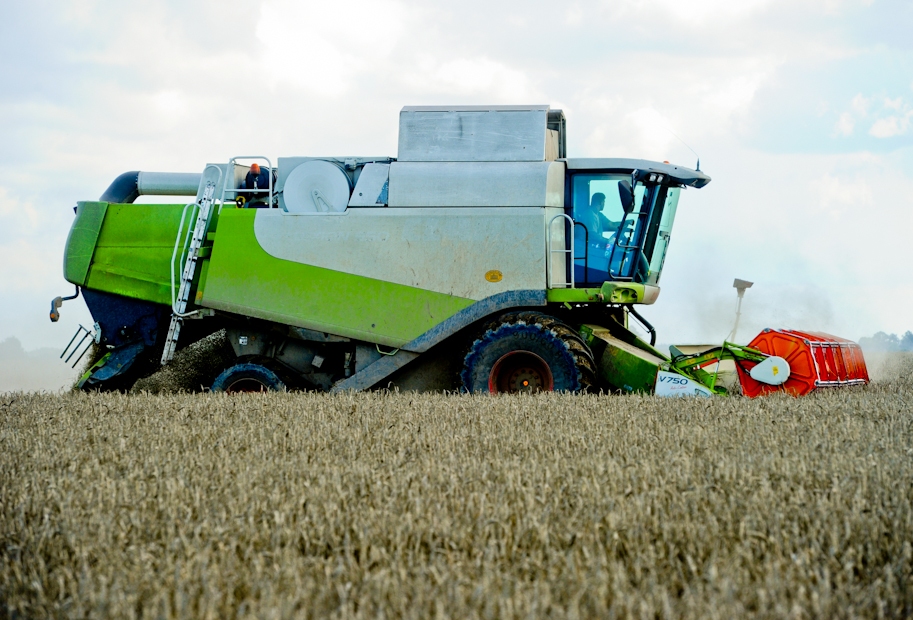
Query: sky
x=801 y=112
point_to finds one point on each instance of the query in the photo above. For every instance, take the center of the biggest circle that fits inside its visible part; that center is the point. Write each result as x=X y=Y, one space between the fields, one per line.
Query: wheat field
x=381 y=505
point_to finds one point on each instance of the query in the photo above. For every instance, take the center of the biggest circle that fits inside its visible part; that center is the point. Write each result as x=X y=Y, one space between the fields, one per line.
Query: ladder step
x=189 y=272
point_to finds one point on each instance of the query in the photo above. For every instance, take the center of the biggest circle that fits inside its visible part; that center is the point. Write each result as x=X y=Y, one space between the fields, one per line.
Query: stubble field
x=403 y=505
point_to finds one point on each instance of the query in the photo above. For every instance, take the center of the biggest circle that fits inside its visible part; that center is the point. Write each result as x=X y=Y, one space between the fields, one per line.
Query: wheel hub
x=520 y=371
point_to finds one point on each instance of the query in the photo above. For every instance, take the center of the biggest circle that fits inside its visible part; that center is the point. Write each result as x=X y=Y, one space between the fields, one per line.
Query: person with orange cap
x=257 y=179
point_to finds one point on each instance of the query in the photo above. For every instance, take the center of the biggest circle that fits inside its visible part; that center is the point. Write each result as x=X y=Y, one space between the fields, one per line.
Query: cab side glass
x=602 y=211
x=664 y=235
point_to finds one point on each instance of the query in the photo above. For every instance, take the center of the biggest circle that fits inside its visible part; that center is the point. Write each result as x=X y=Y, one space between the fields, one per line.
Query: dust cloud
x=32 y=371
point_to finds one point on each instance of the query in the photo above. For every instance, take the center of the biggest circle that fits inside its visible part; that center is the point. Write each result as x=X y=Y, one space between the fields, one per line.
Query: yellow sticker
x=494 y=275
x=776 y=370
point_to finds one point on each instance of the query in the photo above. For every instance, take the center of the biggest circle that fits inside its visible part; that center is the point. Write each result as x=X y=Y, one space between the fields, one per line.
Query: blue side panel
x=115 y=364
x=123 y=320
x=478 y=310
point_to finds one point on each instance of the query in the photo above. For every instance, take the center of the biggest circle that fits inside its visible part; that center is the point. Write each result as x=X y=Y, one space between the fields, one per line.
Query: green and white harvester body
x=480 y=258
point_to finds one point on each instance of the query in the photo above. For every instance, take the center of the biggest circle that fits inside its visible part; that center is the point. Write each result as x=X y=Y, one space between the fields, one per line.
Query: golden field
x=403 y=505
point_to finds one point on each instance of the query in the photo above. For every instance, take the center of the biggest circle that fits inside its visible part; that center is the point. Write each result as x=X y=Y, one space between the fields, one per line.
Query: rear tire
x=248 y=378
x=528 y=352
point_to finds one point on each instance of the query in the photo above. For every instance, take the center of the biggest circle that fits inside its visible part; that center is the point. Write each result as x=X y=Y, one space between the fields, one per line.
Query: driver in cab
x=597 y=224
x=595 y=243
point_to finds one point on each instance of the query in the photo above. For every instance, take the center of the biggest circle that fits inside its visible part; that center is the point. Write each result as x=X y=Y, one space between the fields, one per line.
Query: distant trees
x=887 y=342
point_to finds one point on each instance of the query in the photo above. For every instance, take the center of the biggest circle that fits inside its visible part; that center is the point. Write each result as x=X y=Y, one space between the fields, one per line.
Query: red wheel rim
x=520 y=371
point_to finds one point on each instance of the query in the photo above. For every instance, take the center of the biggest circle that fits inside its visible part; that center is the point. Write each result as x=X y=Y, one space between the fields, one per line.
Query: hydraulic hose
x=645 y=323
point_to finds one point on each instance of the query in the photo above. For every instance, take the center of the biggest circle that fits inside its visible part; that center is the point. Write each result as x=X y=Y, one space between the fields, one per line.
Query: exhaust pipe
x=131 y=185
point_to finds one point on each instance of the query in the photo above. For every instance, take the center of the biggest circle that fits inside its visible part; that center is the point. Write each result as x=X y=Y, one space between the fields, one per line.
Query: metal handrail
x=183 y=246
x=233 y=162
x=626 y=248
x=638 y=215
x=567 y=250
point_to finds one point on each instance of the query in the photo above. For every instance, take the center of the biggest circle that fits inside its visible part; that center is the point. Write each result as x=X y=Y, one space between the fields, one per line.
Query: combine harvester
x=481 y=258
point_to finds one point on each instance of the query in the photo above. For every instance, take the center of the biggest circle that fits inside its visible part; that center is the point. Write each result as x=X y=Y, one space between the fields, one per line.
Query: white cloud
x=887 y=127
x=892 y=117
x=19 y=218
x=170 y=102
x=323 y=47
x=893 y=104
x=734 y=94
x=29 y=252
x=837 y=195
x=860 y=105
x=845 y=124
x=653 y=133
x=896 y=124
x=574 y=15
x=707 y=10
x=481 y=77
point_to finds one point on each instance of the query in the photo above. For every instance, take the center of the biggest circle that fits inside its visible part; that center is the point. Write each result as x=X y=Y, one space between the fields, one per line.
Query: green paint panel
x=133 y=251
x=80 y=247
x=626 y=370
x=244 y=279
x=621 y=364
x=610 y=292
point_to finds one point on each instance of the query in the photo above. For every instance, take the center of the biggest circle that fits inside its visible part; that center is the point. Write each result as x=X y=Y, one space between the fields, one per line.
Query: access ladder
x=179 y=303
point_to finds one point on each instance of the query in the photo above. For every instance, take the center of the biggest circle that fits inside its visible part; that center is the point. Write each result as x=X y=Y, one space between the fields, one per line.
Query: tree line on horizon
x=889 y=343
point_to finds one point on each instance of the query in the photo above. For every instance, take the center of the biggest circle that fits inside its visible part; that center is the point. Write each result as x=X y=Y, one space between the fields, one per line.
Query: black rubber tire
x=550 y=356
x=248 y=377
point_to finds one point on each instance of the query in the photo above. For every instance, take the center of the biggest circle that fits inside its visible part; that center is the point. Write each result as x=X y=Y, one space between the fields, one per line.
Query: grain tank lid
x=476 y=108
x=476 y=133
x=679 y=174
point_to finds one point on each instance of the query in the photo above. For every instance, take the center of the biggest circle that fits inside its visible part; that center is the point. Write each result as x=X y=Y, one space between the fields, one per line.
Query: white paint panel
x=443 y=250
x=477 y=184
x=370 y=186
x=772 y=371
x=673 y=384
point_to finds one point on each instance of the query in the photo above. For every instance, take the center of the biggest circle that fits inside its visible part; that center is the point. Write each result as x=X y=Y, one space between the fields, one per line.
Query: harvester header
x=480 y=258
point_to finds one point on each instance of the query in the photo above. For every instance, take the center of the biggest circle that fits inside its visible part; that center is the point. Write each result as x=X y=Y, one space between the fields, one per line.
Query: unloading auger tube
x=483 y=259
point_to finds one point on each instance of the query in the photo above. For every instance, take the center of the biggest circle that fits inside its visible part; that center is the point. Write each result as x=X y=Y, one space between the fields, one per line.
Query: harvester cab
x=481 y=258
x=622 y=212
x=619 y=226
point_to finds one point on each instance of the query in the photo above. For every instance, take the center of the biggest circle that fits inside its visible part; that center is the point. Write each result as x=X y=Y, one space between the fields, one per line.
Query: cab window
x=600 y=222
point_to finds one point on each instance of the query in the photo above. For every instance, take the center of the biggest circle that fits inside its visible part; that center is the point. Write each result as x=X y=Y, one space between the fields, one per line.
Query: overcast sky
x=801 y=111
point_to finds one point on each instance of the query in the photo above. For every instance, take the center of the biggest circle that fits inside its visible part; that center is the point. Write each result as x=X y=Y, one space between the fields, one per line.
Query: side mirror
x=626 y=194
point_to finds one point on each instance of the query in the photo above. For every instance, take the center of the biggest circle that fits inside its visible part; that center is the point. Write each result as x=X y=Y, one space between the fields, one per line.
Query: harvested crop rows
x=367 y=505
